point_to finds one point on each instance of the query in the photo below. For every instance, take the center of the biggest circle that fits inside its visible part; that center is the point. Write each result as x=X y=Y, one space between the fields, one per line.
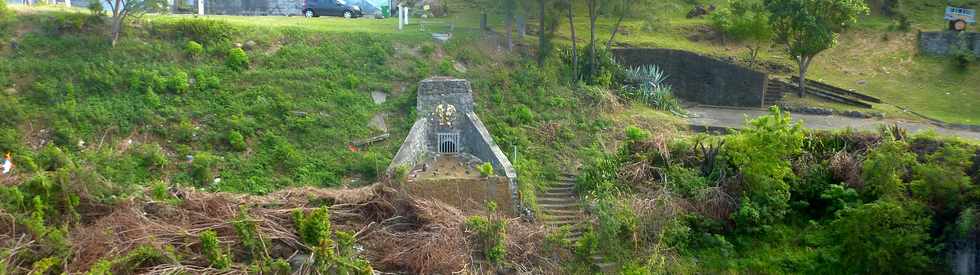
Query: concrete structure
x=700 y=78
x=447 y=126
x=942 y=43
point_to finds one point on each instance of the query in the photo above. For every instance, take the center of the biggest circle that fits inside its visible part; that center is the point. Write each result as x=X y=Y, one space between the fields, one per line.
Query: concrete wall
x=701 y=79
x=415 y=148
x=941 y=43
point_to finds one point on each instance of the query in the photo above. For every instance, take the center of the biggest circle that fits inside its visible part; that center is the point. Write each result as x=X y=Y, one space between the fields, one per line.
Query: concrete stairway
x=560 y=206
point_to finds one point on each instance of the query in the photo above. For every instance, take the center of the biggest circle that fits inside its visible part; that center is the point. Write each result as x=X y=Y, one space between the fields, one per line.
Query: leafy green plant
x=193 y=48
x=960 y=51
x=333 y=252
x=237 y=141
x=762 y=152
x=746 y=21
x=250 y=236
x=887 y=237
x=486 y=169
x=492 y=233
x=884 y=168
x=237 y=59
x=211 y=248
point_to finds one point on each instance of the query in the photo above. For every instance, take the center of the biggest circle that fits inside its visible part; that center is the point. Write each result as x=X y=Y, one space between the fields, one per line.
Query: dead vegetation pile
x=397 y=232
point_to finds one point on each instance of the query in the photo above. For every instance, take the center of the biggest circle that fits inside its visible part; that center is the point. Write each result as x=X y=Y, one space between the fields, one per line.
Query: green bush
x=179 y=83
x=193 y=48
x=202 y=168
x=884 y=168
x=762 y=153
x=635 y=134
x=211 y=249
x=208 y=32
x=237 y=141
x=492 y=233
x=95 y=8
x=884 y=237
x=520 y=114
x=486 y=169
x=237 y=59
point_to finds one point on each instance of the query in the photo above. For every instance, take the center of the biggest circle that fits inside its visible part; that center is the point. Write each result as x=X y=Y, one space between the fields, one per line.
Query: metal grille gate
x=448 y=143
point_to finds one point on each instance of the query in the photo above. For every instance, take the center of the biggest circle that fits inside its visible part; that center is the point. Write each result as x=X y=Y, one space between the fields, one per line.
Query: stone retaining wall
x=942 y=43
x=700 y=78
x=465 y=194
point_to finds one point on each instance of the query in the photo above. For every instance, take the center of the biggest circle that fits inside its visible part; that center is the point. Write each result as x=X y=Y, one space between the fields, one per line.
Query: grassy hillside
x=874 y=53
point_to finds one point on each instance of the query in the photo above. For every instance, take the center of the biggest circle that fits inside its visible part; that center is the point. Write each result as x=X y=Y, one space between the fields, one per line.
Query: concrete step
x=568 y=206
x=561 y=218
x=557 y=200
x=557 y=195
x=559 y=223
x=560 y=189
x=563 y=212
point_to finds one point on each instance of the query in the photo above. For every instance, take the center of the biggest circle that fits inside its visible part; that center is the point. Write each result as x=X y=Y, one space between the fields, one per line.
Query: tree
x=570 y=13
x=594 y=6
x=808 y=27
x=622 y=9
x=509 y=8
x=122 y=10
x=746 y=21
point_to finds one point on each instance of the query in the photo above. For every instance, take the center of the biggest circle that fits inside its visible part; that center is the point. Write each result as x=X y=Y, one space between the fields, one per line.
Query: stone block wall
x=700 y=78
x=439 y=90
x=941 y=43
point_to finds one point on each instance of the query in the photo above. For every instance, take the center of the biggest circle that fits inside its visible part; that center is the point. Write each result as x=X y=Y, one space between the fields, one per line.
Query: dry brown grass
x=846 y=167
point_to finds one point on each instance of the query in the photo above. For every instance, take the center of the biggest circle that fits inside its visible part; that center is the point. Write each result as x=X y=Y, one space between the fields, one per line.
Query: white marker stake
x=406 y=15
x=68 y=3
x=200 y=7
x=401 y=24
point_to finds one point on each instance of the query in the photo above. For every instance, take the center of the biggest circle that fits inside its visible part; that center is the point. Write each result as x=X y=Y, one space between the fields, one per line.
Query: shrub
x=486 y=169
x=207 y=32
x=635 y=134
x=520 y=114
x=492 y=233
x=332 y=256
x=761 y=152
x=250 y=236
x=201 y=168
x=152 y=156
x=194 y=49
x=237 y=59
x=884 y=168
x=237 y=141
x=961 y=52
x=886 y=237
x=211 y=248
x=179 y=82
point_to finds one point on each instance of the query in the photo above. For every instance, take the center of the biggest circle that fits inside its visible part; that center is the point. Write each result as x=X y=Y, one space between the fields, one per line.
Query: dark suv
x=316 y=8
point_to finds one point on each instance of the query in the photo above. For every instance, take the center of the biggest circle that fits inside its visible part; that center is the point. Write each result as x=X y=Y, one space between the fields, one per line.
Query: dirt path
x=718 y=117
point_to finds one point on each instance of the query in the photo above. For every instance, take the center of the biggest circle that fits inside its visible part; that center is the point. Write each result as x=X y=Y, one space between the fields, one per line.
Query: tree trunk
x=571 y=26
x=521 y=26
x=592 y=18
x=615 y=30
x=510 y=30
x=118 y=15
x=804 y=63
x=483 y=21
x=542 y=41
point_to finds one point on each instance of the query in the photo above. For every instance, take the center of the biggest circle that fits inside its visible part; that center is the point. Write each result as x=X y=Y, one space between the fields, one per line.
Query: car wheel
x=348 y=14
x=309 y=14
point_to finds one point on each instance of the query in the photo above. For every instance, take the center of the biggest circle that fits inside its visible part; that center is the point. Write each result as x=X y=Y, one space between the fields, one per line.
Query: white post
x=200 y=7
x=406 y=15
x=67 y=3
x=401 y=24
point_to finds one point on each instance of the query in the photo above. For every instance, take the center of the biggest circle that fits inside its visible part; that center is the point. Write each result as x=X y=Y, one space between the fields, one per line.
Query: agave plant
x=647 y=84
x=649 y=76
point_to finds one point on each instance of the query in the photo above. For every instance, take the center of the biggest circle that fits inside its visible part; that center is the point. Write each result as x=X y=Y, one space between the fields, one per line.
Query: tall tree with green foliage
x=745 y=21
x=808 y=27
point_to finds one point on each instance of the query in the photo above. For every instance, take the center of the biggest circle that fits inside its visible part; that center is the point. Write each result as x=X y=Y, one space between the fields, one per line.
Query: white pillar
x=200 y=7
x=406 y=15
x=401 y=23
x=67 y=3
